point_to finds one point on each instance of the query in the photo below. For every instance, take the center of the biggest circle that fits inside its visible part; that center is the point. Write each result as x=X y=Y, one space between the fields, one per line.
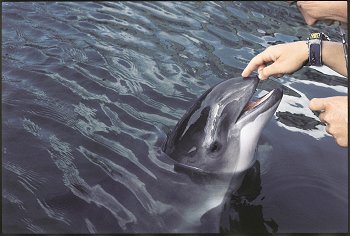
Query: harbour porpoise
x=219 y=133
x=215 y=141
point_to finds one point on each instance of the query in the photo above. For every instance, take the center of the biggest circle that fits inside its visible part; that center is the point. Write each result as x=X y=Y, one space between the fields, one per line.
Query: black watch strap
x=315 y=48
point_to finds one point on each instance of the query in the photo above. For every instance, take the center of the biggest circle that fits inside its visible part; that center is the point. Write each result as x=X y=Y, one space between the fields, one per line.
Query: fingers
x=323 y=117
x=272 y=69
x=278 y=59
x=329 y=130
x=252 y=65
x=332 y=129
x=263 y=71
x=340 y=138
x=343 y=142
x=260 y=68
x=259 y=61
x=334 y=116
x=318 y=104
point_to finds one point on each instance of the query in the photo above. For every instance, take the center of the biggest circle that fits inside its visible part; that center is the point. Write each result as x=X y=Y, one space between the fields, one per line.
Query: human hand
x=286 y=58
x=334 y=115
x=314 y=11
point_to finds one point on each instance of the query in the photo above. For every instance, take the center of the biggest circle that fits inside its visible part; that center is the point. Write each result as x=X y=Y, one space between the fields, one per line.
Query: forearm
x=333 y=56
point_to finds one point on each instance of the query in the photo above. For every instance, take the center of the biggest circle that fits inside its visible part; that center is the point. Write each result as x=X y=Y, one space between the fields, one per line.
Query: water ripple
x=90 y=226
x=32 y=227
x=30 y=180
x=13 y=199
x=53 y=213
x=129 y=180
x=61 y=154
x=118 y=125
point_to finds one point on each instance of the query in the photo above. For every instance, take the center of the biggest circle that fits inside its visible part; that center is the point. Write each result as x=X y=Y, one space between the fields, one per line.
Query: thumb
x=317 y=104
x=272 y=69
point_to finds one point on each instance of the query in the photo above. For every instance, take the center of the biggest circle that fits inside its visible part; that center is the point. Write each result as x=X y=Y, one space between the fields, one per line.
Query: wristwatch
x=314 y=42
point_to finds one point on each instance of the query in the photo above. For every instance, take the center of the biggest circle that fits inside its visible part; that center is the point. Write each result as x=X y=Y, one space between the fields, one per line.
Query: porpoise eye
x=214 y=147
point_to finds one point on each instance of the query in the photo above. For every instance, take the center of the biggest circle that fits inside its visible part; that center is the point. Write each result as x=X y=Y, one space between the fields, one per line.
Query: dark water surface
x=90 y=90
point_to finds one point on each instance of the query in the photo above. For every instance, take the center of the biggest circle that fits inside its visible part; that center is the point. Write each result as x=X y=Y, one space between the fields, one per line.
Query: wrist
x=304 y=52
x=299 y=49
x=333 y=57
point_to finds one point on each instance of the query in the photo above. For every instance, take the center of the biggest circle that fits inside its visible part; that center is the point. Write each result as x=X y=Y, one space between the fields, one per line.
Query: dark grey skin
x=216 y=136
x=214 y=144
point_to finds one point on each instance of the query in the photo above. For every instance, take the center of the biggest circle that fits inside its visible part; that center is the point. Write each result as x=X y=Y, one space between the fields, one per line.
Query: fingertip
x=246 y=72
x=314 y=104
x=263 y=74
x=311 y=103
x=313 y=100
x=261 y=77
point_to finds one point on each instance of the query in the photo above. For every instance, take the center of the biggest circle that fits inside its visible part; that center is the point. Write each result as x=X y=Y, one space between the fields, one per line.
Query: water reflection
x=299 y=121
x=242 y=212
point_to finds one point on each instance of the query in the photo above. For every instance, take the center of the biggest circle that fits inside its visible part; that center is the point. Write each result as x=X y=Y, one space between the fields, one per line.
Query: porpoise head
x=219 y=133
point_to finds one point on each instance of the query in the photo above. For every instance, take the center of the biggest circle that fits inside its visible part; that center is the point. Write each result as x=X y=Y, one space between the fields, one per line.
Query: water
x=90 y=90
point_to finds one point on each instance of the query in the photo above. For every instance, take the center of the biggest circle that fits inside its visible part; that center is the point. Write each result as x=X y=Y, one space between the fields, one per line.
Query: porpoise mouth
x=261 y=104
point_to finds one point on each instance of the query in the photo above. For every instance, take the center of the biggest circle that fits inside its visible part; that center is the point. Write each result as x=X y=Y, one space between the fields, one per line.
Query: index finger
x=260 y=59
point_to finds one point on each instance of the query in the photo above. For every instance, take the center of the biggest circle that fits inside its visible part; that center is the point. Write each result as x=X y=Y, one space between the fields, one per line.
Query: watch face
x=315 y=35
